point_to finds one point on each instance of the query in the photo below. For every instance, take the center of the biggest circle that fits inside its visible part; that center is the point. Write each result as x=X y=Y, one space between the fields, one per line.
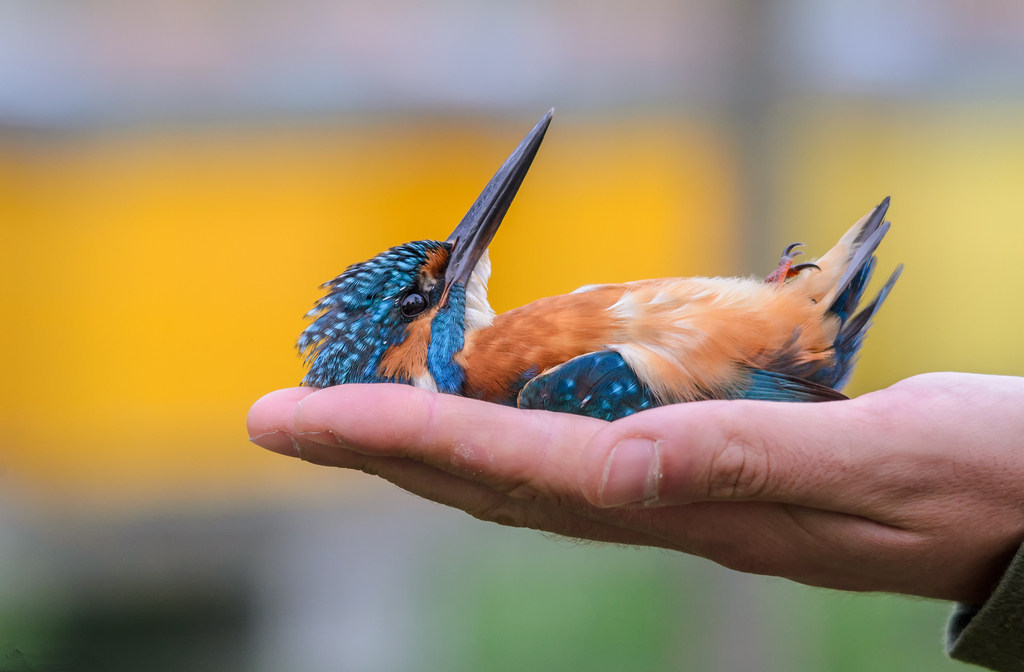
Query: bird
x=418 y=314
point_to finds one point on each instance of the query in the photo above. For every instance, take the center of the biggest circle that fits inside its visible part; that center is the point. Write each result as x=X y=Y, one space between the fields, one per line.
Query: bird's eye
x=413 y=304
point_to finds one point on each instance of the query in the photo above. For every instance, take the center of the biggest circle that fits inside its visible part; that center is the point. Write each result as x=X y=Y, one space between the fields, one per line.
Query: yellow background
x=155 y=281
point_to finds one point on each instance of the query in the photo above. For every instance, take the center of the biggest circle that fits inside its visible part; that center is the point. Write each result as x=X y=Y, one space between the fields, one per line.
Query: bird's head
x=403 y=315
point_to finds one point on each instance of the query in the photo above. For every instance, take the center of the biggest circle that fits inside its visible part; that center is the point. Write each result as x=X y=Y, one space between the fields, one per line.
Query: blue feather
x=599 y=384
x=447 y=337
x=851 y=337
x=359 y=318
x=851 y=288
x=772 y=386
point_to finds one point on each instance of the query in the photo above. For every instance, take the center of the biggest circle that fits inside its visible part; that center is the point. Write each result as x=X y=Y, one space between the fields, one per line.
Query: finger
x=808 y=545
x=801 y=543
x=475 y=498
x=527 y=454
x=817 y=547
x=807 y=454
x=270 y=420
x=804 y=544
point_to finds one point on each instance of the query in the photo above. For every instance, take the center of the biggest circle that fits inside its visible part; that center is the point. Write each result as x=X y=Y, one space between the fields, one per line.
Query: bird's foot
x=787 y=269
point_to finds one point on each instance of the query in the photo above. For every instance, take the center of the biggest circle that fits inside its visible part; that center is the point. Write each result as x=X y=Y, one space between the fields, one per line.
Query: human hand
x=915 y=489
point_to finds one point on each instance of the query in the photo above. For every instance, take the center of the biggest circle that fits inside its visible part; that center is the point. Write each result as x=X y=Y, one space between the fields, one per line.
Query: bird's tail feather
x=863 y=247
x=858 y=246
x=844 y=264
x=851 y=337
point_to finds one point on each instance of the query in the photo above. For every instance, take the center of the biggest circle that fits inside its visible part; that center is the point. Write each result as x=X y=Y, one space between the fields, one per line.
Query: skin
x=914 y=489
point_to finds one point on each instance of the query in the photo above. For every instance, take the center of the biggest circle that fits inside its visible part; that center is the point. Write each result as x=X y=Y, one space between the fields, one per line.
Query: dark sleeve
x=992 y=635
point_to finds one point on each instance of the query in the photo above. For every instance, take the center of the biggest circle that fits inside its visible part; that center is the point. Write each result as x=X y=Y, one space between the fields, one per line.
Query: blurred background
x=177 y=178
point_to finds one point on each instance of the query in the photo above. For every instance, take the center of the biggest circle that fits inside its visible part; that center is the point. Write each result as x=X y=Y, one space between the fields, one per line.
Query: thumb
x=808 y=454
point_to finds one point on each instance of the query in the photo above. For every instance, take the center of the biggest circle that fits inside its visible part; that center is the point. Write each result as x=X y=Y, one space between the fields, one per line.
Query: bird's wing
x=772 y=386
x=603 y=386
x=598 y=384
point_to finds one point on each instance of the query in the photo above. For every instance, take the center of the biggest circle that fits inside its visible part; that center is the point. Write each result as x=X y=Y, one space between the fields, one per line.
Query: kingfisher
x=418 y=314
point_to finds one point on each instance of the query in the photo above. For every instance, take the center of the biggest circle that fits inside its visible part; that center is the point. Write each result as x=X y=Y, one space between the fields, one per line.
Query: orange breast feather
x=536 y=337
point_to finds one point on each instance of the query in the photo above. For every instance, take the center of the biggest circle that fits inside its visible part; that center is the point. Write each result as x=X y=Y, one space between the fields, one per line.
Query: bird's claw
x=790 y=252
x=786 y=269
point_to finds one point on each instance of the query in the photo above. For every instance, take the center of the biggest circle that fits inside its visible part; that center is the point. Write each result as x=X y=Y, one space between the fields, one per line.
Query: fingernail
x=278 y=442
x=631 y=474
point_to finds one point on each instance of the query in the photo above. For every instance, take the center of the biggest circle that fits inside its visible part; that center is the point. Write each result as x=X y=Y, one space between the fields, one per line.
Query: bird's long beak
x=474 y=233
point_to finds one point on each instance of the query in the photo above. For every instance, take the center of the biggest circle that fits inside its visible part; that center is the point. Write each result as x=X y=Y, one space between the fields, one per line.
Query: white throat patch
x=479 y=313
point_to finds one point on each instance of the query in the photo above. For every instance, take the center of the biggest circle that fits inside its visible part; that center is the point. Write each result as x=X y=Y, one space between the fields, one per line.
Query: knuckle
x=738 y=470
x=527 y=479
x=515 y=513
x=531 y=492
x=501 y=510
x=369 y=468
x=476 y=462
x=524 y=491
